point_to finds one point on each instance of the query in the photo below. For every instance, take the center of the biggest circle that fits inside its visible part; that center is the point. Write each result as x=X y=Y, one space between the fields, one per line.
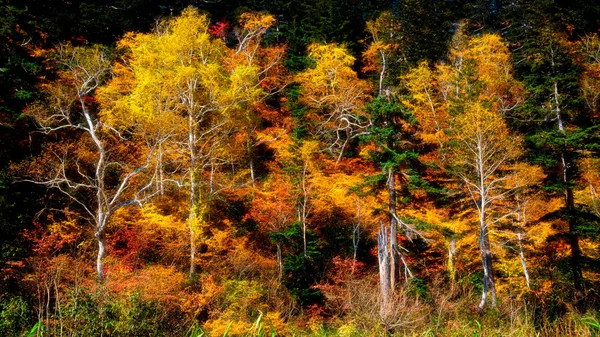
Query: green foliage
x=301 y=272
x=242 y=296
x=94 y=314
x=15 y=316
x=390 y=131
x=298 y=112
x=592 y=322
x=426 y=28
x=36 y=329
x=418 y=287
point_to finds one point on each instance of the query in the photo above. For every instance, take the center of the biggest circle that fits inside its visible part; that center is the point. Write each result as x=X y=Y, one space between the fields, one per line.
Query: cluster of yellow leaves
x=425 y=103
x=334 y=92
x=482 y=130
x=244 y=303
x=382 y=30
x=165 y=66
x=332 y=84
x=494 y=71
x=373 y=58
x=223 y=326
x=479 y=71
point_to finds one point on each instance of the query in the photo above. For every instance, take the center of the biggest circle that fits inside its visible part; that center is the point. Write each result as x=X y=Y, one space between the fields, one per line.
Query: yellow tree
x=336 y=94
x=460 y=107
x=382 y=31
x=493 y=72
x=483 y=149
x=269 y=68
x=189 y=92
x=84 y=171
x=426 y=103
x=523 y=179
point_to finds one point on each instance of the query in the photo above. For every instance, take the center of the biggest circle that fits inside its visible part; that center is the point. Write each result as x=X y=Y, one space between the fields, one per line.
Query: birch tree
x=336 y=94
x=483 y=149
x=195 y=91
x=88 y=179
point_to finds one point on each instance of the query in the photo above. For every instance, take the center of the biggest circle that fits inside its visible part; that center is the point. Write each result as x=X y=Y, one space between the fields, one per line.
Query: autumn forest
x=300 y=168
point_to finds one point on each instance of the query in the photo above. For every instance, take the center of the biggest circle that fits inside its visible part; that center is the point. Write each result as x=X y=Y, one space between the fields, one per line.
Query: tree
x=390 y=143
x=98 y=182
x=560 y=129
x=383 y=48
x=461 y=105
x=333 y=89
x=426 y=102
x=191 y=95
x=483 y=148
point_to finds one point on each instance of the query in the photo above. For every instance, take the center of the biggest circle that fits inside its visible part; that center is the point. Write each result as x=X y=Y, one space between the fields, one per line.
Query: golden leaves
x=256 y=21
x=335 y=93
x=426 y=103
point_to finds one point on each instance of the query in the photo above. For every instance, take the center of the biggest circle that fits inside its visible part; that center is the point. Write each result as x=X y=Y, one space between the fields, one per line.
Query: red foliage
x=49 y=243
x=132 y=246
x=219 y=29
x=90 y=99
x=315 y=311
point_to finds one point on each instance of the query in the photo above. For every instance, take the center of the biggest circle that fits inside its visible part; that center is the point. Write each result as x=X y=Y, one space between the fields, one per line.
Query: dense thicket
x=299 y=167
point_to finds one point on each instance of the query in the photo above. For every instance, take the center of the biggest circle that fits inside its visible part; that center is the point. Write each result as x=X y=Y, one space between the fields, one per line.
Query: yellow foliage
x=525 y=175
x=334 y=92
x=273 y=321
x=160 y=283
x=223 y=326
x=425 y=103
x=372 y=57
x=256 y=21
x=181 y=69
x=348 y=330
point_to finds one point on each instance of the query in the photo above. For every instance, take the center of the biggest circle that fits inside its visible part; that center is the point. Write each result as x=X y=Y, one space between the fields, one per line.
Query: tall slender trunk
x=356 y=235
x=193 y=191
x=573 y=237
x=382 y=73
x=484 y=240
x=522 y=221
x=159 y=167
x=383 y=255
x=523 y=264
x=488 y=271
x=252 y=177
x=279 y=261
x=451 y=267
x=303 y=205
x=250 y=148
x=101 y=202
x=393 y=229
x=101 y=238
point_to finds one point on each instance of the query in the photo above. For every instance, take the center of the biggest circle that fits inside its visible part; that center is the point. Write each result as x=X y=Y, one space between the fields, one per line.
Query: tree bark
x=484 y=240
x=488 y=270
x=522 y=255
x=451 y=267
x=382 y=72
x=355 y=236
x=193 y=187
x=383 y=255
x=573 y=237
x=393 y=229
x=101 y=238
x=279 y=261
